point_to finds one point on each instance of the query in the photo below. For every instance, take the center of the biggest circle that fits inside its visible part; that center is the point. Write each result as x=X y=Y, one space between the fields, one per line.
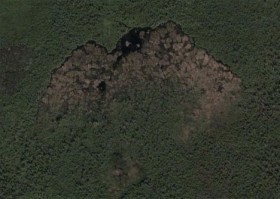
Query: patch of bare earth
x=92 y=74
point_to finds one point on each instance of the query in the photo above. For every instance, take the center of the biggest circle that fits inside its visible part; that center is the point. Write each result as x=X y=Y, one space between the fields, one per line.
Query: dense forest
x=136 y=136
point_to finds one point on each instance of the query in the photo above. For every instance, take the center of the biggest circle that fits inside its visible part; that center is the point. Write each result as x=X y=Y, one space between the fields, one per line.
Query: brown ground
x=91 y=73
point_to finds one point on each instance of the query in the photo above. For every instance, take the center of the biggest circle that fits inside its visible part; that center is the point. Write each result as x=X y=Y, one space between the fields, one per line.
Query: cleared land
x=92 y=74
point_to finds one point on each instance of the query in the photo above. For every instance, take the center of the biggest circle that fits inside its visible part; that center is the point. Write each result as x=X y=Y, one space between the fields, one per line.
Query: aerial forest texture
x=139 y=99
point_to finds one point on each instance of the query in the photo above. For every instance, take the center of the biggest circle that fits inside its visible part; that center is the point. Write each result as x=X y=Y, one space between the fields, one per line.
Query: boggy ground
x=91 y=74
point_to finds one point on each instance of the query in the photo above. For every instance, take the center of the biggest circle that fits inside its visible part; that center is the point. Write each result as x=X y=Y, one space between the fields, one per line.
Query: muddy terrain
x=91 y=74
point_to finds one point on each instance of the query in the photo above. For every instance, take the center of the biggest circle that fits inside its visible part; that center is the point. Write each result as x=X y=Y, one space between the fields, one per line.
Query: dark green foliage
x=237 y=156
x=12 y=60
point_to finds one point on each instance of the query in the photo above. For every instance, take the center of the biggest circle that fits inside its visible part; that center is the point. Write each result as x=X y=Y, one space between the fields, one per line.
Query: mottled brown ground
x=92 y=74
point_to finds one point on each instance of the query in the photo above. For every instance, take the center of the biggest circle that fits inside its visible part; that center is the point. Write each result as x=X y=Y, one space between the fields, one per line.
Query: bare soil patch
x=91 y=74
